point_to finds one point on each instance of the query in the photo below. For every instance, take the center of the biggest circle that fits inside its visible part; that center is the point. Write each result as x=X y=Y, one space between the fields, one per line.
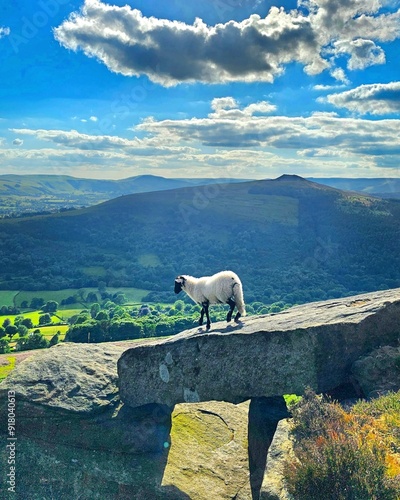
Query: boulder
x=281 y=450
x=379 y=371
x=75 y=439
x=311 y=345
x=209 y=451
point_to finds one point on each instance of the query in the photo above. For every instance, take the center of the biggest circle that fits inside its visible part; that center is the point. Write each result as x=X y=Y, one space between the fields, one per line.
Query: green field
x=7 y=364
x=34 y=316
x=7 y=298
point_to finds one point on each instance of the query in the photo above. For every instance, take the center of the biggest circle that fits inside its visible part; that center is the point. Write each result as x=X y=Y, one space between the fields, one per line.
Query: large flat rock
x=310 y=345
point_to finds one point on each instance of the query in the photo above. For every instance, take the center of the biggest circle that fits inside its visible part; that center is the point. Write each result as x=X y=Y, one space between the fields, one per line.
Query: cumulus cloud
x=170 y=52
x=18 y=142
x=75 y=139
x=363 y=53
x=228 y=108
x=299 y=134
x=376 y=99
x=245 y=138
x=4 y=31
x=255 y=49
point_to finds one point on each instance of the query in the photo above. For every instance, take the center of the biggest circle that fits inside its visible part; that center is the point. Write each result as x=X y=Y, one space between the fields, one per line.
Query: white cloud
x=363 y=53
x=4 y=31
x=319 y=131
x=339 y=75
x=18 y=142
x=255 y=49
x=233 y=140
x=376 y=99
x=93 y=118
x=228 y=108
x=84 y=142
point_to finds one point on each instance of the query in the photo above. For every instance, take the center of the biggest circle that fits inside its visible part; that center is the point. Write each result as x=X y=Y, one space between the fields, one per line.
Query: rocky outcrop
x=310 y=345
x=379 y=371
x=75 y=439
x=281 y=450
x=209 y=451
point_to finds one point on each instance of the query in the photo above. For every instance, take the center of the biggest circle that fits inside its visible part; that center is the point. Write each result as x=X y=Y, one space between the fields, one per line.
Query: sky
x=246 y=89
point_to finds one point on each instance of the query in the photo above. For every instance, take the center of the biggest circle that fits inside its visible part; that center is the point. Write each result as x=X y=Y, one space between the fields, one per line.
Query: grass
x=261 y=208
x=95 y=271
x=132 y=294
x=7 y=297
x=345 y=455
x=49 y=331
x=149 y=260
x=34 y=316
x=7 y=366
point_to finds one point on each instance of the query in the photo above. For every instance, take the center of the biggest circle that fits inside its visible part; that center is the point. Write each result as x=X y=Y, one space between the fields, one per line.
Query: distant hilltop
x=35 y=193
x=289 y=239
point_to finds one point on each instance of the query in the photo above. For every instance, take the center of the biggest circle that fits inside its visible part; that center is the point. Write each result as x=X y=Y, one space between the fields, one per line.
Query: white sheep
x=221 y=288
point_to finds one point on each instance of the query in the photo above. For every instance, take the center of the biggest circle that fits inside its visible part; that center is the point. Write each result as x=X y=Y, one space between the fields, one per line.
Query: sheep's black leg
x=205 y=307
x=201 y=316
x=237 y=317
x=232 y=305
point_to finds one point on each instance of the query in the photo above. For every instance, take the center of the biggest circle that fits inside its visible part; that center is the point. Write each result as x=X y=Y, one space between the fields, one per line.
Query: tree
x=179 y=305
x=22 y=330
x=45 y=319
x=27 y=322
x=119 y=298
x=4 y=345
x=34 y=340
x=95 y=309
x=18 y=320
x=36 y=303
x=54 y=339
x=50 y=307
x=102 y=316
x=82 y=318
x=11 y=330
x=6 y=322
x=91 y=297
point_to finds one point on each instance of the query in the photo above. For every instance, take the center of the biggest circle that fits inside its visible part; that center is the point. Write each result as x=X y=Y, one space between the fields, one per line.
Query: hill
x=38 y=193
x=288 y=239
x=383 y=187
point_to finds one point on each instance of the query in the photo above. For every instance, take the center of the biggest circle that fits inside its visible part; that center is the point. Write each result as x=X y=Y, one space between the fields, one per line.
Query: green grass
x=65 y=314
x=34 y=316
x=49 y=331
x=95 y=271
x=261 y=208
x=149 y=260
x=6 y=368
x=132 y=294
x=7 y=297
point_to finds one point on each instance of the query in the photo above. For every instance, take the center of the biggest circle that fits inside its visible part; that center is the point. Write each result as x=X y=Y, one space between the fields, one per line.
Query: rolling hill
x=20 y=194
x=289 y=239
x=37 y=193
x=383 y=187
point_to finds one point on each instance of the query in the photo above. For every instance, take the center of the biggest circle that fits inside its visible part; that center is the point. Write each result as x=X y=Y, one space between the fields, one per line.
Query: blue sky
x=217 y=88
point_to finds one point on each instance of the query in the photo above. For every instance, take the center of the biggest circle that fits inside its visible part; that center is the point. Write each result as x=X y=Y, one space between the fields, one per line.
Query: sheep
x=224 y=287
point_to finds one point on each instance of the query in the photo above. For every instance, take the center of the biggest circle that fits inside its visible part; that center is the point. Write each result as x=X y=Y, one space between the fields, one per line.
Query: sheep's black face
x=179 y=282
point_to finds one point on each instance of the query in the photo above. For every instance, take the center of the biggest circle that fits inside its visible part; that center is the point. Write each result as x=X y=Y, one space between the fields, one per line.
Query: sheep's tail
x=238 y=294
